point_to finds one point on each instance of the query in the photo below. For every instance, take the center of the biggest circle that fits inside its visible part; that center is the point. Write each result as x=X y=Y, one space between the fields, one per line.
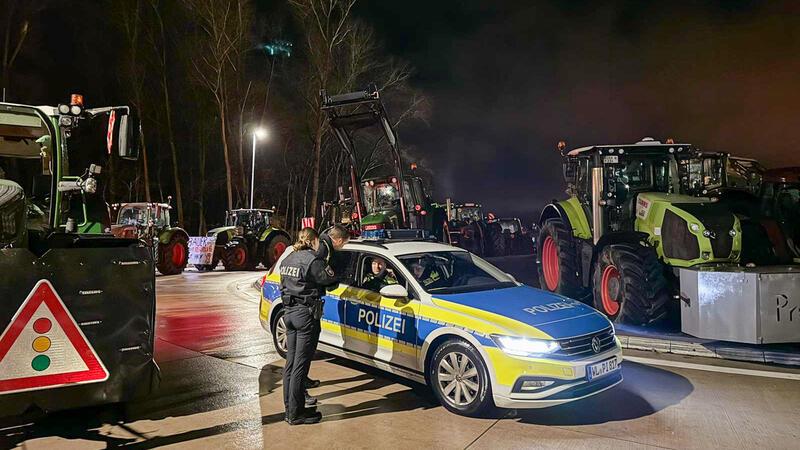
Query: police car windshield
x=454 y=272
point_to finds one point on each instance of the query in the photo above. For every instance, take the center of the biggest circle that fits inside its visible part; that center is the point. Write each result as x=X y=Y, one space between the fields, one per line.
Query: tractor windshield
x=469 y=213
x=381 y=197
x=26 y=159
x=644 y=174
x=142 y=215
x=249 y=219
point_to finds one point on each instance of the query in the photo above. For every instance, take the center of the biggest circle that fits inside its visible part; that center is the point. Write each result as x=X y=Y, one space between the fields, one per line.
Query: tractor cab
x=143 y=214
x=151 y=222
x=382 y=203
x=613 y=176
x=467 y=212
x=248 y=220
x=715 y=173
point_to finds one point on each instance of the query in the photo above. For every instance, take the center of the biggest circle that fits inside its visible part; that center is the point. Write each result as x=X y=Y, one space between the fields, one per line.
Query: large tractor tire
x=557 y=260
x=630 y=285
x=236 y=257
x=173 y=256
x=275 y=248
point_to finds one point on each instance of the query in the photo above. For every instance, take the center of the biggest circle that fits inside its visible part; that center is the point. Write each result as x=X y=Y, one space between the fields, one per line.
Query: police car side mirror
x=394 y=291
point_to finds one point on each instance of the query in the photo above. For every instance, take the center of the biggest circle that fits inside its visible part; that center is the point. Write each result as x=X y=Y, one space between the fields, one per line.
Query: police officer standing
x=304 y=277
x=329 y=243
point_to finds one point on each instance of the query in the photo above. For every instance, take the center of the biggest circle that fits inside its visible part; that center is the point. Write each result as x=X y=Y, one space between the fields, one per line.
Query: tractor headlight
x=519 y=346
x=732 y=233
x=63 y=109
x=75 y=110
x=694 y=227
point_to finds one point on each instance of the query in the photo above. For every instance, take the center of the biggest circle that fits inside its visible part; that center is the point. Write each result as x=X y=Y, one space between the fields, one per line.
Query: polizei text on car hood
x=558 y=317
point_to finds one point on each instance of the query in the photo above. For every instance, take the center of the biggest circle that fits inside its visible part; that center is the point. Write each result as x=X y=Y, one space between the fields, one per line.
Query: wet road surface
x=221 y=388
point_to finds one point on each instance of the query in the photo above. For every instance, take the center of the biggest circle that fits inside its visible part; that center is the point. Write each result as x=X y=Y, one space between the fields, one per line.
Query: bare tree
x=327 y=25
x=129 y=19
x=222 y=30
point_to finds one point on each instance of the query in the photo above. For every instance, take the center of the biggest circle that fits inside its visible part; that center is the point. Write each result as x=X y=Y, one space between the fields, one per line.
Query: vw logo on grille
x=596 y=344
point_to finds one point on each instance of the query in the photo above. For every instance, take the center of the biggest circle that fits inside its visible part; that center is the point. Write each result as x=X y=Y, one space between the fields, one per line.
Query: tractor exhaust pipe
x=597 y=203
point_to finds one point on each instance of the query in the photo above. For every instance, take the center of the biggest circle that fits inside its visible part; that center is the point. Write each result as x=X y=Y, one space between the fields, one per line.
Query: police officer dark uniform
x=329 y=242
x=304 y=277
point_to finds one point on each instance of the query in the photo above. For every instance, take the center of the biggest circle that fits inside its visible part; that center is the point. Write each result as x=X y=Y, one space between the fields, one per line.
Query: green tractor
x=396 y=201
x=62 y=275
x=151 y=223
x=247 y=240
x=626 y=229
x=383 y=208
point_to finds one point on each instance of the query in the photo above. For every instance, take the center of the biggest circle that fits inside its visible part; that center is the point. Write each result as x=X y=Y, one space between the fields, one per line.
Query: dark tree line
x=205 y=73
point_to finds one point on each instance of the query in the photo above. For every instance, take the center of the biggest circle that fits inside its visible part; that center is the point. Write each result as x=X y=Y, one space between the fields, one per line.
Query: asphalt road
x=221 y=388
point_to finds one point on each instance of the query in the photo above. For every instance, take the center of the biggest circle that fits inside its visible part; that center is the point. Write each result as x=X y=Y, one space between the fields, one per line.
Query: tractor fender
x=223 y=234
x=165 y=236
x=571 y=213
x=271 y=232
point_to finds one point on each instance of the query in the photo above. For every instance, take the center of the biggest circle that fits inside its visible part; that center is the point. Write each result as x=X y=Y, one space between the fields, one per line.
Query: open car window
x=452 y=272
x=375 y=272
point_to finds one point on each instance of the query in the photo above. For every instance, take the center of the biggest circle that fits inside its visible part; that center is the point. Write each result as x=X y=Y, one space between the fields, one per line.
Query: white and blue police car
x=442 y=316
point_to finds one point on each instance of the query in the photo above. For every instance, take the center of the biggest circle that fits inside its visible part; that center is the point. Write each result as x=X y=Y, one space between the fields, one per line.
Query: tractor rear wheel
x=630 y=285
x=173 y=256
x=275 y=248
x=236 y=257
x=557 y=260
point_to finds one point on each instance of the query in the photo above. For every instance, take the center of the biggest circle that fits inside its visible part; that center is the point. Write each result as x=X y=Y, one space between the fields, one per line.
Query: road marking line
x=707 y=368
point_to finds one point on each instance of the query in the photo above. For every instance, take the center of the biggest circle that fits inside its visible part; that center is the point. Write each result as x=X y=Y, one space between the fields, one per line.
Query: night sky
x=508 y=80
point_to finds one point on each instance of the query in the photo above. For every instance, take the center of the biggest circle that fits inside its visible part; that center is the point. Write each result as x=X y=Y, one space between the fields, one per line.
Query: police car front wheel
x=459 y=379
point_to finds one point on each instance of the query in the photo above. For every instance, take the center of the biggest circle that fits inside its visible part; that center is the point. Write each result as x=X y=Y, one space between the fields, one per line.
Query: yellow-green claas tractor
x=247 y=240
x=621 y=237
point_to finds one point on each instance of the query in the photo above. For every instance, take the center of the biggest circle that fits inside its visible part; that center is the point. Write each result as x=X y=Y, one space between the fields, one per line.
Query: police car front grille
x=582 y=345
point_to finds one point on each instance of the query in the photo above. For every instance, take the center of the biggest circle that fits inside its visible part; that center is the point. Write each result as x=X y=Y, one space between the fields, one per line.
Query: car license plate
x=611 y=159
x=602 y=368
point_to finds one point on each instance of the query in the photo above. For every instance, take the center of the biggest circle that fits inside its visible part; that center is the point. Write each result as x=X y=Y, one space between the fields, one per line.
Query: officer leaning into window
x=304 y=277
x=329 y=243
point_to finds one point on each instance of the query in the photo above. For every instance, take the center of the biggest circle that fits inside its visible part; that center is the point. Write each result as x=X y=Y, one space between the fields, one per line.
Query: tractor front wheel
x=173 y=256
x=236 y=257
x=630 y=285
x=557 y=260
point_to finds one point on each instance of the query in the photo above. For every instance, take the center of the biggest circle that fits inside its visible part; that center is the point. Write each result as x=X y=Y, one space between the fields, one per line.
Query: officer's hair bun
x=305 y=239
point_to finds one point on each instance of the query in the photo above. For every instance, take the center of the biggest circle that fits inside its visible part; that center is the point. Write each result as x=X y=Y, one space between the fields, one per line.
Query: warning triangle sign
x=44 y=348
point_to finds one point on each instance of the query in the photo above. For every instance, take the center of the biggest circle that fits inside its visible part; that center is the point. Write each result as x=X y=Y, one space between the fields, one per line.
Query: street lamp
x=258 y=133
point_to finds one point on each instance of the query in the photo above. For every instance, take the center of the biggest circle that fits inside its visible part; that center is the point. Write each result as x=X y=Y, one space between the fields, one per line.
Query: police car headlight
x=518 y=346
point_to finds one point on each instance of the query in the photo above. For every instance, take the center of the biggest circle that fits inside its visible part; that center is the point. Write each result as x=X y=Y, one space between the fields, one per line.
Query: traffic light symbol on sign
x=43 y=346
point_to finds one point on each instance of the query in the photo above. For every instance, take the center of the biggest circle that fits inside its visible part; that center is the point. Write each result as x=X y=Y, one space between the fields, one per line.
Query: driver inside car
x=379 y=276
x=425 y=271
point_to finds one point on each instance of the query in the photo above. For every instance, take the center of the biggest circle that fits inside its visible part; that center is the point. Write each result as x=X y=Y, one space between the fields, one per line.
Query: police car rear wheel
x=279 y=333
x=459 y=379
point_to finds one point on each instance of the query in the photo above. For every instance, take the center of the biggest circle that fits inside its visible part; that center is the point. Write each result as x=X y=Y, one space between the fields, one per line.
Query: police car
x=440 y=315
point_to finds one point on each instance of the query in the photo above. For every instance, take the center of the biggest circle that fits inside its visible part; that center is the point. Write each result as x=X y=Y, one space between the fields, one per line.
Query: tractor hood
x=528 y=311
x=218 y=230
x=690 y=230
x=380 y=218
